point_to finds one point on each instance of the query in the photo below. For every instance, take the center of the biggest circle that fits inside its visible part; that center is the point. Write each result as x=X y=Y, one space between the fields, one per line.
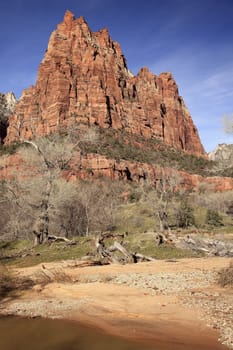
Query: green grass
x=145 y=244
x=134 y=218
x=43 y=253
x=169 y=252
x=134 y=243
x=138 y=217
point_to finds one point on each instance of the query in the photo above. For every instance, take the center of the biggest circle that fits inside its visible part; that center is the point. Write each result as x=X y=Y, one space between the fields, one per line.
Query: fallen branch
x=54 y=238
x=141 y=258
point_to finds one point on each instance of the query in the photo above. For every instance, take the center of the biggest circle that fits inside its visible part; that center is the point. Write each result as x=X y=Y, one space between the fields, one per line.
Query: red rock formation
x=84 y=78
x=93 y=166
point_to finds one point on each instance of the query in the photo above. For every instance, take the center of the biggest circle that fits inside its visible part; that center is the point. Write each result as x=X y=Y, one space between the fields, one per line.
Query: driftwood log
x=117 y=253
x=53 y=238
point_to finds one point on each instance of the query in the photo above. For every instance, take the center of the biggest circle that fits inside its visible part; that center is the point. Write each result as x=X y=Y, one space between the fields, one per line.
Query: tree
x=98 y=200
x=161 y=197
x=9 y=207
x=230 y=209
x=47 y=203
x=210 y=199
x=4 y=206
x=43 y=162
x=82 y=207
x=50 y=156
x=213 y=218
x=184 y=215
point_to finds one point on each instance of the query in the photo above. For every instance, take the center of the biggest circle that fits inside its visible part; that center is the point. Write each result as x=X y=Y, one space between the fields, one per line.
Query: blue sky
x=193 y=39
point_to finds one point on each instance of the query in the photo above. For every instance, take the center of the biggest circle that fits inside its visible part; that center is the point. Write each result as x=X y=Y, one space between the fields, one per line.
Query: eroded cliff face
x=223 y=155
x=94 y=166
x=84 y=78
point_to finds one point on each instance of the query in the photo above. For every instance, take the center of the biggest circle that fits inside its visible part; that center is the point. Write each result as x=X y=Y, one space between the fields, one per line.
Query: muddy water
x=42 y=334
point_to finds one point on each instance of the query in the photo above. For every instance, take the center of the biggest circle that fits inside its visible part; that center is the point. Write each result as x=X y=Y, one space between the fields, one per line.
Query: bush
x=230 y=209
x=225 y=277
x=184 y=215
x=213 y=218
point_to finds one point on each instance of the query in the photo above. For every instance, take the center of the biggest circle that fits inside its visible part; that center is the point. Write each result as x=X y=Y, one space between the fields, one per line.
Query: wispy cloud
x=217 y=85
x=205 y=79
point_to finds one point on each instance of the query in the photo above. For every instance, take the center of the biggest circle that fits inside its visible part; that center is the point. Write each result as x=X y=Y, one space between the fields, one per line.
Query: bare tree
x=98 y=201
x=43 y=160
x=161 y=197
x=66 y=210
x=210 y=199
x=51 y=156
x=51 y=204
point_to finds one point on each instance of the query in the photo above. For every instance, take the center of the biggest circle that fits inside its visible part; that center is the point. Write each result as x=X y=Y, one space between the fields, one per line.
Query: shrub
x=213 y=218
x=225 y=277
x=184 y=215
x=9 y=149
x=230 y=209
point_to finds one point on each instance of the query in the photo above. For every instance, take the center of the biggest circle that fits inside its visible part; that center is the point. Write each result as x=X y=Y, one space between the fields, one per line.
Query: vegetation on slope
x=122 y=145
x=80 y=210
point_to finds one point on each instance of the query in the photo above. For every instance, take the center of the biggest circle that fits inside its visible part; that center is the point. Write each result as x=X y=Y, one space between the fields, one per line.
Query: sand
x=162 y=303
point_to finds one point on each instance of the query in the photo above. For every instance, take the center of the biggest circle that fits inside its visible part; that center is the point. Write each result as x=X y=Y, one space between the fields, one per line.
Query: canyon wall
x=84 y=78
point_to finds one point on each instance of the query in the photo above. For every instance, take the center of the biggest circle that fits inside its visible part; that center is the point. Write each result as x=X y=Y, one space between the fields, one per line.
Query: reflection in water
x=42 y=334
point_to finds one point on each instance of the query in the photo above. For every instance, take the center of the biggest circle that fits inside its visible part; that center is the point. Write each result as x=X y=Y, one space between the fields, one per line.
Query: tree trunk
x=37 y=238
x=162 y=221
x=45 y=211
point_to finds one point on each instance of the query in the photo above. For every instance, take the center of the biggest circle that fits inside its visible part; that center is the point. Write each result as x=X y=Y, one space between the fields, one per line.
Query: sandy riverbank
x=173 y=304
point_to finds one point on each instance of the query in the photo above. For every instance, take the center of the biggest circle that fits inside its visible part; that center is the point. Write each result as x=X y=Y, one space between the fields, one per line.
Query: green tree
x=213 y=218
x=229 y=210
x=184 y=215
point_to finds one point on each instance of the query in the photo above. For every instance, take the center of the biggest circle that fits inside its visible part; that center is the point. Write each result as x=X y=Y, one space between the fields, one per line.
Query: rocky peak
x=223 y=155
x=84 y=78
x=145 y=73
x=69 y=17
x=7 y=106
x=11 y=101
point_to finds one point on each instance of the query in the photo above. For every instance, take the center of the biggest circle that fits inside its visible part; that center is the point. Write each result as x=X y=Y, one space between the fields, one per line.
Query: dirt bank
x=173 y=304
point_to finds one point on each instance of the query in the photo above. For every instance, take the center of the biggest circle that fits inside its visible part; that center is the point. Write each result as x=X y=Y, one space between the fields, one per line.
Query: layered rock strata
x=84 y=78
x=94 y=166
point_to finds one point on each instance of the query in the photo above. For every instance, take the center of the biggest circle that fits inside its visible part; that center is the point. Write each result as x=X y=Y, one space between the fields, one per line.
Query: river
x=44 y=334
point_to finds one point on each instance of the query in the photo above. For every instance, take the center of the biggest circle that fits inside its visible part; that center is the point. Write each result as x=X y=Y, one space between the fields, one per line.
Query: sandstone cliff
x=84 y=78
x=94 y=166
